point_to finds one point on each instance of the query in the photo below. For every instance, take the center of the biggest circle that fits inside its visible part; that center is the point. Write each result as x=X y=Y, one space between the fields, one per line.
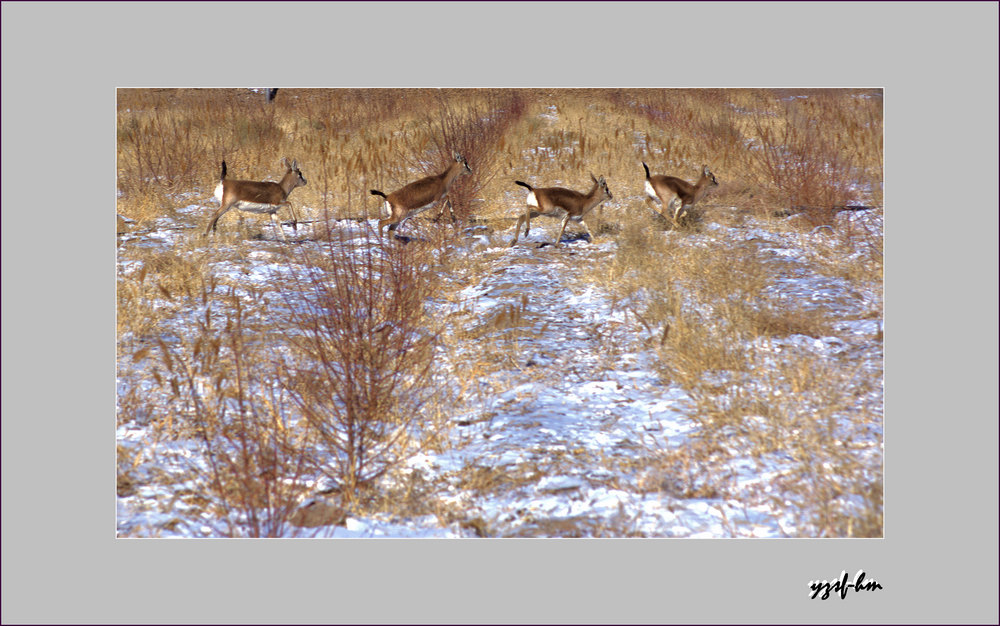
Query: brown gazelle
x=560 y=203
x=670 y=190
x=421 y=195
x=258 y=197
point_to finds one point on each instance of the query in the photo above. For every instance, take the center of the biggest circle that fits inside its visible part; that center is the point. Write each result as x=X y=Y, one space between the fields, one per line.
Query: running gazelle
x=420 y=195
x=258 y=197
x=671 y=191
x=562 y=203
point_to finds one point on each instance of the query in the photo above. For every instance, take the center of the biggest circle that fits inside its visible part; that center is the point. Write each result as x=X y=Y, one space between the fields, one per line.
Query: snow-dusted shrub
x=362 y=345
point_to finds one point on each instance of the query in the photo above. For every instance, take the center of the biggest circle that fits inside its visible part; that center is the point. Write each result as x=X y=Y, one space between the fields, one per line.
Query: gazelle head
x=600 y=182
x=465 y=164
x=293 y=177
x=708 y=175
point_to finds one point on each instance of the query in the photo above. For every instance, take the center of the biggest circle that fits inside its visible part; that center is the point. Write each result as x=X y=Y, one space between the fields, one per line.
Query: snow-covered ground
x=576 y=421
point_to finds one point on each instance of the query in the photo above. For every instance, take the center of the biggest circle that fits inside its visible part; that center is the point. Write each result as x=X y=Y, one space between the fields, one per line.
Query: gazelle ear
x=593 y=178
x=295 y=164
x=284 y=161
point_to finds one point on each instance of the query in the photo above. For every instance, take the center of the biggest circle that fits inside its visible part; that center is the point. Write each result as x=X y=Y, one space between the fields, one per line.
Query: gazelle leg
x=295 y=217
x=564 y=222
x=446 y=201
x=589 y=234
x=392 y=220
x=405 y=219
x=656 y=207
x=277 y=224
x=215 y=216
x=671 y=209
x=681 y=212
x=517 y=230
x=651 y=204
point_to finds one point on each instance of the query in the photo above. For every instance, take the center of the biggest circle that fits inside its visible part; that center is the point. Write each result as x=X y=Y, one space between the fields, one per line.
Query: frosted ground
x=579 y=417
x=568 y=436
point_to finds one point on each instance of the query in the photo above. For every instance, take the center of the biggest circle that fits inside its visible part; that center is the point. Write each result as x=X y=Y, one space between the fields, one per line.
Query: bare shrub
x=816 y=152
x=363 y=350
x=255 y=458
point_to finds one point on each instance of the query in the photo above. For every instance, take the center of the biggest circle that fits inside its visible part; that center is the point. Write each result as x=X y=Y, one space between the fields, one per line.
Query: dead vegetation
x=332 y=369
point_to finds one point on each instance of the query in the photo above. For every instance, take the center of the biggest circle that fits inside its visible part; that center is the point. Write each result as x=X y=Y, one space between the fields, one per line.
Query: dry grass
x=708 y=308
x=245 y=381
x=770 y=148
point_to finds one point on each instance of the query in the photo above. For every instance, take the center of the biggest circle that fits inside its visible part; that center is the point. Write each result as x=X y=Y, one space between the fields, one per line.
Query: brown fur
x=670 y=190
x=270 y=196
x=422 y=194
x=561 y=203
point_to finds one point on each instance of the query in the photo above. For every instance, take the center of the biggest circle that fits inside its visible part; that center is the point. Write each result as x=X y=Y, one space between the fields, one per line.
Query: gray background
x=61 y=64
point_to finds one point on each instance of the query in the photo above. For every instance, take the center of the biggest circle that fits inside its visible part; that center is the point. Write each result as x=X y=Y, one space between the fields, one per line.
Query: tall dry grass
x=708 y=310
x=228 y=395
x=347 y=365
x=771 y=150
x=808 y=149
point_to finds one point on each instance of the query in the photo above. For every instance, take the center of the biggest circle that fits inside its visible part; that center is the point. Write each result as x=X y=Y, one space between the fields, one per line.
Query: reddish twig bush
x=361 y=370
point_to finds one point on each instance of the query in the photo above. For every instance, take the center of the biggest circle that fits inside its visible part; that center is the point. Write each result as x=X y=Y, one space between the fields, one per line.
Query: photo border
x=61 y=64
